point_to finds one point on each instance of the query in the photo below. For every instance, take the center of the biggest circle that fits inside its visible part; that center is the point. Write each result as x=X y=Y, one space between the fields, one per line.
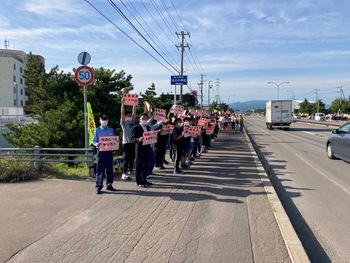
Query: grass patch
x=14 y=171
x=62 y=171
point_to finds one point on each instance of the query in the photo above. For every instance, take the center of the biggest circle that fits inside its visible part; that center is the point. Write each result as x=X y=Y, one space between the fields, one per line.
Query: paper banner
x=159 y=114
x=131 y=99
x=177 y=109
x=210 y=130
x=202 y=122
x=108 y=143
x=149 y=137
x=193 y=131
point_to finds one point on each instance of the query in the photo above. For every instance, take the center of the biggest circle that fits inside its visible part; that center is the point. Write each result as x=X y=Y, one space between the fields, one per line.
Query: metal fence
x=38 y=155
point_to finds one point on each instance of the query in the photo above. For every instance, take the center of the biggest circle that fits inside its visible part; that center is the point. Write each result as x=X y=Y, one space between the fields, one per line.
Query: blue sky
x=244 y=44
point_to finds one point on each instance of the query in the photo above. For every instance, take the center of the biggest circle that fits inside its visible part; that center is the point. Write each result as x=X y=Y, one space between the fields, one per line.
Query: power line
x=94 y=7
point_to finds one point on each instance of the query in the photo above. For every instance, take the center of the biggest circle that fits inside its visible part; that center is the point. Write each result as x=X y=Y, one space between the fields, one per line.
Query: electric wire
x=94 y=7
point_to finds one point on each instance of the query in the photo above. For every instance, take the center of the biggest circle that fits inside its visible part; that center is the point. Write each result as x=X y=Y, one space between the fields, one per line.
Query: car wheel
x=330 y=152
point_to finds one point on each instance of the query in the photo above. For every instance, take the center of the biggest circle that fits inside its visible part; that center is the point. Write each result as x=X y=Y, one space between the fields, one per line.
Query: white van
x=320 y=116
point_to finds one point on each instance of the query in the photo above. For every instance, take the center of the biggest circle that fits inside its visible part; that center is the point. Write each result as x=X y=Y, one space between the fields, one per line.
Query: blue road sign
x=84 y=58
x=178 y=80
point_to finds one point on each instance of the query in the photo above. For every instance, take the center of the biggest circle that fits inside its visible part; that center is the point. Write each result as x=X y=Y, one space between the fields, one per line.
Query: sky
x=236 y=46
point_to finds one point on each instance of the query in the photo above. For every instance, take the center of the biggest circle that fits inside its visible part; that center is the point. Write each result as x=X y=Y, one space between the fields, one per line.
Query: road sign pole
x=175 y=96
x=86 y=119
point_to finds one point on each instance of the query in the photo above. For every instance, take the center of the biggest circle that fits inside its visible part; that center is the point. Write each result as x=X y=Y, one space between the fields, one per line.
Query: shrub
x=15 y=171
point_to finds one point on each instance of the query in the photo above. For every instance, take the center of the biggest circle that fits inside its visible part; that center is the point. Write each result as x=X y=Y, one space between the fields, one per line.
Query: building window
x=21 y=69
x=21 y=103
x=21 y=91
x=14 y=90
x=14 y=102
x=21 y=80
x=14 y=78
x=14 y=66
x=27 y=102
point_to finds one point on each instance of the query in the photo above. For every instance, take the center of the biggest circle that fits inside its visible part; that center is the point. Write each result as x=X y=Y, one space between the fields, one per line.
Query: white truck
x=278 y=114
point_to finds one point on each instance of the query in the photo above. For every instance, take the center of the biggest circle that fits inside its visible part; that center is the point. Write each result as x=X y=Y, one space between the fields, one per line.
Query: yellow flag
x=91 y=123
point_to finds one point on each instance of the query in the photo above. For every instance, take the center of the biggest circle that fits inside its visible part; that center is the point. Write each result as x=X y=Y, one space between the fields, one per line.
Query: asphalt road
x=314 y=190
x=217 y=211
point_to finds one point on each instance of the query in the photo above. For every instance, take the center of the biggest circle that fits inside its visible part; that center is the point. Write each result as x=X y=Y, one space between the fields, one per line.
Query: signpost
x=178 y=80
x=84 y=76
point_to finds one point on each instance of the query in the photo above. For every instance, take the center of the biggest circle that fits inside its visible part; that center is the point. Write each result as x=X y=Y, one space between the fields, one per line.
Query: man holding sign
x=104 y=158
x=142 y=151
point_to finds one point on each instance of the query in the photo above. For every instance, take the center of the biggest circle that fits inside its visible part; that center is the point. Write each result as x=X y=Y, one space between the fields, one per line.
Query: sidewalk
x=217 y=211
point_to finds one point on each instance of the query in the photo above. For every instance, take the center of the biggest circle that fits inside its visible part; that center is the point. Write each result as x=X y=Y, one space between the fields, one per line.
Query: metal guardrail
x=335 y=124
x=35 y=155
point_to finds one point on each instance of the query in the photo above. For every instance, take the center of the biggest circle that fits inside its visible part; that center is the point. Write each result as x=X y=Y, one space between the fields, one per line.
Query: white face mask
x=104 y=123
x=144 y=122
x=187 y=123
x=129 y=119
x=179 y=124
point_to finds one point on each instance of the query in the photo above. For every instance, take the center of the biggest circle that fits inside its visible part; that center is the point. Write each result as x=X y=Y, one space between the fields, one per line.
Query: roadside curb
x=294 y=246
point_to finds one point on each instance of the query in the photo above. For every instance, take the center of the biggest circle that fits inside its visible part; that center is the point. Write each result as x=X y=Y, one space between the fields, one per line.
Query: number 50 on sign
x=84 y=75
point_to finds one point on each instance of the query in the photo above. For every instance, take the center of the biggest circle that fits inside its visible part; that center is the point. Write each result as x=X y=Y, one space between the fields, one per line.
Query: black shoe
x=111 y=188
x=98 y=191
x=146 y=183
x=166 y=162
x=162 y=167
x=141 y=185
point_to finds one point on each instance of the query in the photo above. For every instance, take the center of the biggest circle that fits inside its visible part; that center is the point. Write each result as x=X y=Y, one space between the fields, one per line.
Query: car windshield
x=344 y=129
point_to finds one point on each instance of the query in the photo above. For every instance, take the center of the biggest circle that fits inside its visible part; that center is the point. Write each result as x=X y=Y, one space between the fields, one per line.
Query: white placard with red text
x=202 y=122
x=108 y=143
x=159 y=114
x=131 y=99
x=210 y=130
x=149 y=137
x=193 y=131
x=177 y=109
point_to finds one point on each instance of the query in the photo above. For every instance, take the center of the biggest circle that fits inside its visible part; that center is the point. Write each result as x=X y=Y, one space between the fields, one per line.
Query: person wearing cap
x=104 y=158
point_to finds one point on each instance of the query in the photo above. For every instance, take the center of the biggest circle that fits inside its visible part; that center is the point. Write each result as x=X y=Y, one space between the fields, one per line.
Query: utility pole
x=209 y=87
x=201 y=88
x=182 y=46
x=342 y=97
x=218 y=91
x=317 y=100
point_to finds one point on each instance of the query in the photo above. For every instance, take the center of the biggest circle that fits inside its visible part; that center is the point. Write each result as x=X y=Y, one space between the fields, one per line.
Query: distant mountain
x=248 y=105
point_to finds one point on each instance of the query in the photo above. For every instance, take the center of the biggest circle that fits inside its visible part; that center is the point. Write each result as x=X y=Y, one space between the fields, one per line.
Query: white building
x=12 y=93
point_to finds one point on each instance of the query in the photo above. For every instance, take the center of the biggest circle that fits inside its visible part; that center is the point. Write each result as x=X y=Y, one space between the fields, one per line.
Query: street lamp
x=278 y=87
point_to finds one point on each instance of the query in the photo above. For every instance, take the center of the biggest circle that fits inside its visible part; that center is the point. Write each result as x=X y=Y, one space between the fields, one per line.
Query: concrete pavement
x=217 y=211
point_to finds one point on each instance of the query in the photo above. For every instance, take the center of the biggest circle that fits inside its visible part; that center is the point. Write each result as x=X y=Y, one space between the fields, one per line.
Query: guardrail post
x=90 y=161
x=36 y=157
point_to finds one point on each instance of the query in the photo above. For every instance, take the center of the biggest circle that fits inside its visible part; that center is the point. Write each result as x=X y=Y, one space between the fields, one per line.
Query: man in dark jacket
x=142 y=151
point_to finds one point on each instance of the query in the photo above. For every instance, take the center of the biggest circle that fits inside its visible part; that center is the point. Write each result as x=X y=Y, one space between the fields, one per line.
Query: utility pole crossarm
x=182 y=46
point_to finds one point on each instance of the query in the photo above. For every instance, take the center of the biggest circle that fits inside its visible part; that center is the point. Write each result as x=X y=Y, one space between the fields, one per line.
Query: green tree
x=58 y=105
x=318 y=106
x=305 y=107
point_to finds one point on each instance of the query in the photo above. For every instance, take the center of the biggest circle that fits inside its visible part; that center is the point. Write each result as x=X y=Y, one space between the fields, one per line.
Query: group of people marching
x=185 y=137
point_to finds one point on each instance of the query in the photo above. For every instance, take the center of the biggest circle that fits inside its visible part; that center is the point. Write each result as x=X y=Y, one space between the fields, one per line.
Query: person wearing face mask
x=178 y=141
x=142 y=151
x=104 y=158
x=127 y=123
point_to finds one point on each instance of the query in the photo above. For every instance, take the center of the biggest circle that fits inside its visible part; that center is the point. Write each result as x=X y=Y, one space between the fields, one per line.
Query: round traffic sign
x=84 y=58
x=84 y=75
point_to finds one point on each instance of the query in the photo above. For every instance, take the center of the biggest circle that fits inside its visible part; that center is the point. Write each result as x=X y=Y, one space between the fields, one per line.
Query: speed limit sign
x=84 y=75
